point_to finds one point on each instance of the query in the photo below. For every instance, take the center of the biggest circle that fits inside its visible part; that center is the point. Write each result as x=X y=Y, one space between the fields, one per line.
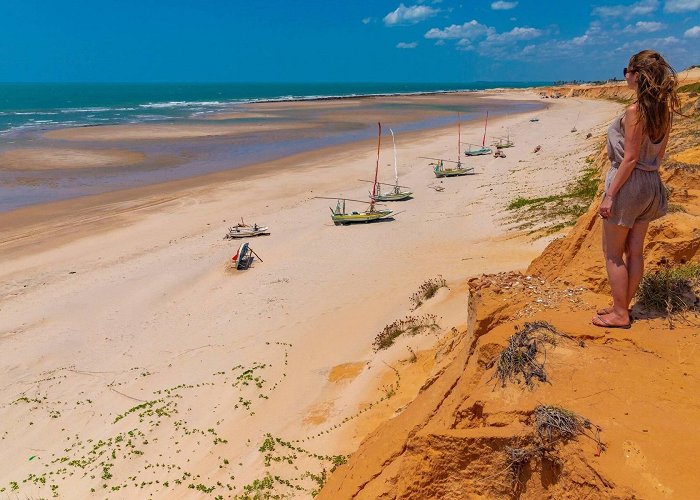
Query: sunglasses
x=625 y=71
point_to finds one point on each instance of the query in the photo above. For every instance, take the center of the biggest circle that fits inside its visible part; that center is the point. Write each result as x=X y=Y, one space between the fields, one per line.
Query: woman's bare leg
x=635 y=258
x=614 y=242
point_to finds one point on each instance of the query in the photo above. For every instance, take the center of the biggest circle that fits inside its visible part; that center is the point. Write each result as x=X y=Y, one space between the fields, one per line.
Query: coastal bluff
x=636 y=389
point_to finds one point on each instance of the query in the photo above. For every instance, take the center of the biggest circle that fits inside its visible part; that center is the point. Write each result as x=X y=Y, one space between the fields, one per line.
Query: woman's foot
x=611 y=320
x=608 y=310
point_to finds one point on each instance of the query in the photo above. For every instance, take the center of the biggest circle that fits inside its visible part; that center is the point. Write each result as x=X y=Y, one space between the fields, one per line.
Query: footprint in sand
x=637 y=460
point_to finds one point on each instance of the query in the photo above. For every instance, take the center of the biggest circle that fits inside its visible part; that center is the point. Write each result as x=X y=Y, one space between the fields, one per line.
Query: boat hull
x=453 y=172
x=392 y=196
x=361 y=217
x=478 y=152
x=236 y=233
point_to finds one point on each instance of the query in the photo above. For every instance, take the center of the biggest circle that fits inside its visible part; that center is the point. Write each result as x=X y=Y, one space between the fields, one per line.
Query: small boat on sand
x=243 y=230
x=396 y=193
x=244 y=257
x=475 y=149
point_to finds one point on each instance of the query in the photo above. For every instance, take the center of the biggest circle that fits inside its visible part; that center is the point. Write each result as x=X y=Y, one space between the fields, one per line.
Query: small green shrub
x=670 y=290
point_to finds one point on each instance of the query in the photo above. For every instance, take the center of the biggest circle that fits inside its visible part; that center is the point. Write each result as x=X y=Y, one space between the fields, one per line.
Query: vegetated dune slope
x=461 y=436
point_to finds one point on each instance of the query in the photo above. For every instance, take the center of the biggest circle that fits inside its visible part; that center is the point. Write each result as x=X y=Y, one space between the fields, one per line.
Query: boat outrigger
x=394 y=194
x=475 y=149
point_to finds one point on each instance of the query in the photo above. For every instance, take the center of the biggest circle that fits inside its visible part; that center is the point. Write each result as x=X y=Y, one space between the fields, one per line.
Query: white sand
x=93 y=327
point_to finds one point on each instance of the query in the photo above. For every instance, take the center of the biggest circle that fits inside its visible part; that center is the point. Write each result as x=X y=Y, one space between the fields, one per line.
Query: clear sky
x=337 y=41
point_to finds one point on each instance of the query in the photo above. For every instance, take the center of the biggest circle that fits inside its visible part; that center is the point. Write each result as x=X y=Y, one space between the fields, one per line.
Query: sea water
x=55 y=105
x=27 y=111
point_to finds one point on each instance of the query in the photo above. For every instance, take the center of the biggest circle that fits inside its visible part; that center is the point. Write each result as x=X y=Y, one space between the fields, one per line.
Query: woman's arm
x=633 y=143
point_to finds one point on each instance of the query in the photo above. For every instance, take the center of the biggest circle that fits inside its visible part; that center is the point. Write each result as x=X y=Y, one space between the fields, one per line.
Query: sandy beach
x=136 y=362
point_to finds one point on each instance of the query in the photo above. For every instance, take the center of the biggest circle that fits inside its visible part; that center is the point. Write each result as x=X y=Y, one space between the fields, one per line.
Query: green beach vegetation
x=548 y=214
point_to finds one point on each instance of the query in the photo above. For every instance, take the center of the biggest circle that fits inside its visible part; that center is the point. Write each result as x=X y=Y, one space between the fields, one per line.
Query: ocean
x=42 y=106
x=244 y=124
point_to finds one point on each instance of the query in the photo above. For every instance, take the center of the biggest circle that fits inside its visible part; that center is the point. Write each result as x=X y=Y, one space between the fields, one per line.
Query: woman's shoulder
x=632 y=109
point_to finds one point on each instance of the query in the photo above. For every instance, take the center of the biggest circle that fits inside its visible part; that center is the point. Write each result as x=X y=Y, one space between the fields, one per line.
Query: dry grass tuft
x=524 y=355
x=552 y=425
x=426 y=291
x=410 y=325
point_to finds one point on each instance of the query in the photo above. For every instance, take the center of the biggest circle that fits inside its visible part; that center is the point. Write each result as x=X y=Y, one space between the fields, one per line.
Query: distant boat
x=475 y=149
x=534 y=119
x=439 y=165
x=395 y=194
x=441 y=171
x=573 y=129
x=503 y=142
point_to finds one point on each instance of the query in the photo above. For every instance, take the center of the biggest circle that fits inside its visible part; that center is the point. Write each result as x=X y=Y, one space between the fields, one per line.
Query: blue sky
x=305 y=41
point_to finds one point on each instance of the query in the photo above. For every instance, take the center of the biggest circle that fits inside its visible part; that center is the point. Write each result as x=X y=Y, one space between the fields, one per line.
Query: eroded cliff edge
x=638 y=386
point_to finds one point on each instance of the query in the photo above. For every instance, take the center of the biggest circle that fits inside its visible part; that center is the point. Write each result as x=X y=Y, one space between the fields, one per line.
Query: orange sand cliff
x=639 y=386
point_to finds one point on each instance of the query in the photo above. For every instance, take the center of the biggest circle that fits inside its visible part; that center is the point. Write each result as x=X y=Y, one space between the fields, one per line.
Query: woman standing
x=634 y=193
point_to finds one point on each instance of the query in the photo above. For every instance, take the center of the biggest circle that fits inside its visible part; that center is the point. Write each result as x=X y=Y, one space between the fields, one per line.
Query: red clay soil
x=639 y=386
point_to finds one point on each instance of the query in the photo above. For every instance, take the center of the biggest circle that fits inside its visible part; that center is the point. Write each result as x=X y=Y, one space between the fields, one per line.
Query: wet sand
x=61 y=158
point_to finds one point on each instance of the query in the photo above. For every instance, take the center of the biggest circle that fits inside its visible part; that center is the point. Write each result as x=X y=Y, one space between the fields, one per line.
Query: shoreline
x=194 y=148
x=131 y=200
x=147 y=305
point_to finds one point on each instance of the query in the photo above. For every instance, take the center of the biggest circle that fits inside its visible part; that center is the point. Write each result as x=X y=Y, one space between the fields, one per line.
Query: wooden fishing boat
x=503 y=142
x=441 y=171
x=243 y=230
x=438 y=164
x=341 y=216
x=395 y=194
x=475 y=149
x=244 y=257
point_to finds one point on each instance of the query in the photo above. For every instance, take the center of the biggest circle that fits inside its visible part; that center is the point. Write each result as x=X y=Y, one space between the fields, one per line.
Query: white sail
x=396 y=165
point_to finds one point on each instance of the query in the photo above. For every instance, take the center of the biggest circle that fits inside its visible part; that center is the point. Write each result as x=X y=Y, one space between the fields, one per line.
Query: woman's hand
x=605 y=207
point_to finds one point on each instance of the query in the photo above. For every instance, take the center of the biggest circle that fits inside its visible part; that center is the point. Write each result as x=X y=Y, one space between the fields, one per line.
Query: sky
x=338 y=41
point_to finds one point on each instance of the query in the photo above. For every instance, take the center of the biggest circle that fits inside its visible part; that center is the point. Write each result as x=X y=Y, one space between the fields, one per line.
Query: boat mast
x=376 y=170
x=396 y=165
x=483 y=141
x=459 y=138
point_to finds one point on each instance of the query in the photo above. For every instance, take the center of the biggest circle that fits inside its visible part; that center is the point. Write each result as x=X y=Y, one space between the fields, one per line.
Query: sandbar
x=66 y=158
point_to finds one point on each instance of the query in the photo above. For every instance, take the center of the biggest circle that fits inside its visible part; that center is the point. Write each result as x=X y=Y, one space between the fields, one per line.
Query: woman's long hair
x=656 y=92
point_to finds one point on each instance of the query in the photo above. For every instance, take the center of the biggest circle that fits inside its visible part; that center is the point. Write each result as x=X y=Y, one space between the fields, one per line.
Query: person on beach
x=634 y=194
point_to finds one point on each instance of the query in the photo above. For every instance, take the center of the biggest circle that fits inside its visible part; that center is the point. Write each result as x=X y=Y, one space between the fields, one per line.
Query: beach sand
x=142 y=132
x=64 y=158
x=136 y=362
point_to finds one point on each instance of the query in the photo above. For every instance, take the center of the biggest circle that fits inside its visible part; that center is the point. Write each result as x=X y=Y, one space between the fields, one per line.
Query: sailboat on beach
x=395 y=194
x=340 y=215
x=475 y=149
x=439 y=165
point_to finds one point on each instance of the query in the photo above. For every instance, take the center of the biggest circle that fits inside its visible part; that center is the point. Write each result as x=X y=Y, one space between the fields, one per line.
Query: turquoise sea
x=27 y=111
x=53 y=105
